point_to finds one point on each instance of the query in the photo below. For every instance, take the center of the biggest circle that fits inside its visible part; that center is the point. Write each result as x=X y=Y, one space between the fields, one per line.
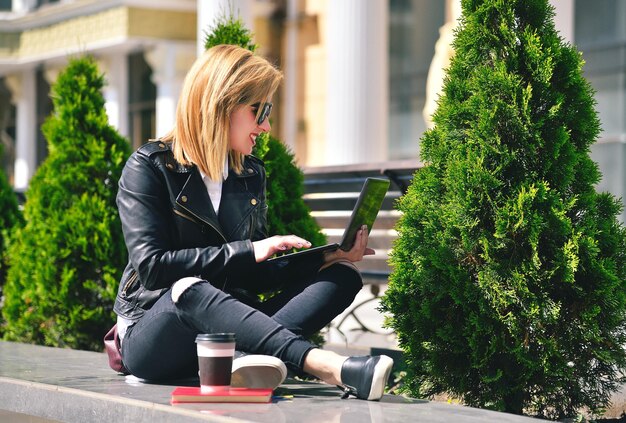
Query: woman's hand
x=359 y=249
x=267 y=247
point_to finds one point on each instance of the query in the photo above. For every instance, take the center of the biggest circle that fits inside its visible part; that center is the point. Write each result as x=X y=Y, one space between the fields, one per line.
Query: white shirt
x=214 y=188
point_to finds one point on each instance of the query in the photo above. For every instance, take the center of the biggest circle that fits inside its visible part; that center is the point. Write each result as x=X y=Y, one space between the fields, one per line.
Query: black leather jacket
x=171 y=230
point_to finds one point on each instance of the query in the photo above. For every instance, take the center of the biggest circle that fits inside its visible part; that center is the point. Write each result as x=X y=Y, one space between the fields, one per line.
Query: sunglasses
x=266 y=109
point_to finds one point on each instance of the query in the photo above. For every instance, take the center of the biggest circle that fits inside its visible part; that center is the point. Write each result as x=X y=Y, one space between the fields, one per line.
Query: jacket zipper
x=197 y=220
x=130 y=281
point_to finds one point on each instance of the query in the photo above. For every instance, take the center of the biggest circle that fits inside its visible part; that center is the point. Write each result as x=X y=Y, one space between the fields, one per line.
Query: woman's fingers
x=267 y=247
x=361 y=240
x=364 y=241
x=286 y=242
x=359 y=249
x=364 y=237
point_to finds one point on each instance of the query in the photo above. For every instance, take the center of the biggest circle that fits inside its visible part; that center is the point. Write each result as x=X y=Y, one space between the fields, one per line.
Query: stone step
x=376 y=262
x=344 y=200
x=378 y=239
x=338 y=219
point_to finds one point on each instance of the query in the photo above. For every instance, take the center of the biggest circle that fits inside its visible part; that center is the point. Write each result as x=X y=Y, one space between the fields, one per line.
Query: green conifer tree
x=67 y=259
x=229 y=30
x=287 y=212
x=10 y=217
x=508 y=288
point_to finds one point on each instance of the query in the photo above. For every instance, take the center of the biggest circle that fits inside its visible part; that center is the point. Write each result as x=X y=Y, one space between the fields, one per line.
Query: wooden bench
x=331 y=192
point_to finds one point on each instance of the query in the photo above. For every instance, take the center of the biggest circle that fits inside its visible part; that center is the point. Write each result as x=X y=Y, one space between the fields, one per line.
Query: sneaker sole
x=258 y=372
x=379 y=379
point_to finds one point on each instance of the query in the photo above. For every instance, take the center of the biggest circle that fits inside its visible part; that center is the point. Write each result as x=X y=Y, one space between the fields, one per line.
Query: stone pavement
x=55 y=384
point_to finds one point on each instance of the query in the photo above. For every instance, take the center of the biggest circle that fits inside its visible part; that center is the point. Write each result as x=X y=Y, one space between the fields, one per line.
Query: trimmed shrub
x=67 y=259
x=508 y=288
x=10 y=217
x=229 y=30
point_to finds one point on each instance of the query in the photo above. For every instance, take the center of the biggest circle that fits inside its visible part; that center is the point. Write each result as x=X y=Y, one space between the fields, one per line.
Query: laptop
x=364 y=213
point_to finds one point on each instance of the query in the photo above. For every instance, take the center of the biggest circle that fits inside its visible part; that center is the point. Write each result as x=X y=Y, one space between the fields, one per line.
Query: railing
x=350 y=179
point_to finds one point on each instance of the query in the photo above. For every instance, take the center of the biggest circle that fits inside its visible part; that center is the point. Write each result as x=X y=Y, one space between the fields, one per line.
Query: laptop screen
x=366 y=209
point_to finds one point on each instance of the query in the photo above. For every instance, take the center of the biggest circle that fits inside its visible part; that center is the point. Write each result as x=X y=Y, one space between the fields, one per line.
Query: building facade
x=361 y=76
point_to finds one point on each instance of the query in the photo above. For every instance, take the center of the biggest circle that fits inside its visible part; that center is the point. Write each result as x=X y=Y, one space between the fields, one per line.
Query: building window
x=44 y=109
x=600 y=33
x=6 y=5
x=141 y=100
x=413 y=31
x=7 y=131
x=45 y=2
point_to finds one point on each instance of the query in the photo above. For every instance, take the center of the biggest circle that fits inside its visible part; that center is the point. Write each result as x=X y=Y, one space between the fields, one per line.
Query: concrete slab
x=77 y=386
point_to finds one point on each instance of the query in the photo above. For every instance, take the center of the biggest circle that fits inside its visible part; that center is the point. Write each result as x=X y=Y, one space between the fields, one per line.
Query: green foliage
x=509 y=281
x=287 y=212
x=228 y=30
x=67 y=259
x=10 y=217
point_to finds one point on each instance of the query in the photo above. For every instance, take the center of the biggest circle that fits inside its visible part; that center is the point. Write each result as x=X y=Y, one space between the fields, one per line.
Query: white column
x=23 y=92
x=51 y=73
x=23 y=6
x=441 y=60
x=290 y=83
x=170 y=63
x=564 y=18
x=357 y=109
x=115 y=91
x=210 y=11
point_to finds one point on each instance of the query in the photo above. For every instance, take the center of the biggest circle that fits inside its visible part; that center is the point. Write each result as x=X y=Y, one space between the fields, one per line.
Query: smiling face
x=214 y=116
x=244 y=129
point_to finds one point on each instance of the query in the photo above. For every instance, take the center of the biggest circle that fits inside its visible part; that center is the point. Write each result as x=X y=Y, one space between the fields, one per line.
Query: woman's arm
x=264 y=246
x=147 y=223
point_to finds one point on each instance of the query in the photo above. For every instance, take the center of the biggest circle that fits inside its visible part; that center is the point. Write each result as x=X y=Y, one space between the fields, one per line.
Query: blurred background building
x=361 y=76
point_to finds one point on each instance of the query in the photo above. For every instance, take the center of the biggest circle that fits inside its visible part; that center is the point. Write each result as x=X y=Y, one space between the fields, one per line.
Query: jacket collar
x=236 y=205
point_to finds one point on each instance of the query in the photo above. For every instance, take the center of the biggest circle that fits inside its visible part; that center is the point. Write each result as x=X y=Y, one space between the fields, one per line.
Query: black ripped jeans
x=161 y=345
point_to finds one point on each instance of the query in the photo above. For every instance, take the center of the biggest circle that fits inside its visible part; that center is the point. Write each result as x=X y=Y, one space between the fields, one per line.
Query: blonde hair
x=220 y=80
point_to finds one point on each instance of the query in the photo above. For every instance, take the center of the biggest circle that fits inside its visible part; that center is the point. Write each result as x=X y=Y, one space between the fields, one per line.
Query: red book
x=192 y=394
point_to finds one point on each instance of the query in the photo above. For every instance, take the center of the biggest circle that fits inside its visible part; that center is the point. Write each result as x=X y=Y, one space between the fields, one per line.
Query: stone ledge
x=69 y=404
x=77 y=386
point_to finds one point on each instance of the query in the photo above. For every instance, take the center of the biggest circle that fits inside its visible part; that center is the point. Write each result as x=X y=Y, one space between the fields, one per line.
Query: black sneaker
x=365 y=377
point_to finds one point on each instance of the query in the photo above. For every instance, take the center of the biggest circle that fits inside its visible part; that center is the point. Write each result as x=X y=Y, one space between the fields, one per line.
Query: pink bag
x=112 y=347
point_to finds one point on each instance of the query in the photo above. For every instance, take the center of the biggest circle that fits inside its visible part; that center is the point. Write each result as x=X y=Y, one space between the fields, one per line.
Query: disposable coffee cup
x=215 y=360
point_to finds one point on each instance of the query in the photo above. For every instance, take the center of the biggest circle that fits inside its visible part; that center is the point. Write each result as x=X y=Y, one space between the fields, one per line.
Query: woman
x=193 y=212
